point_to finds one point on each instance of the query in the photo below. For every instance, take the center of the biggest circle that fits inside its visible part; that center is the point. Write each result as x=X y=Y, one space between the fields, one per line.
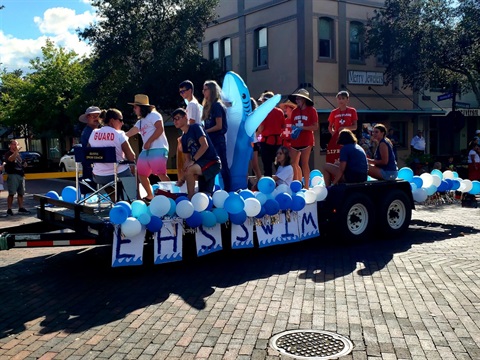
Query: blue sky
x=26 y=24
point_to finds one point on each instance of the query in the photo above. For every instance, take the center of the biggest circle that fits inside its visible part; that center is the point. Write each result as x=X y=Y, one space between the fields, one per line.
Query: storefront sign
x=365 y=78
x=470 y=112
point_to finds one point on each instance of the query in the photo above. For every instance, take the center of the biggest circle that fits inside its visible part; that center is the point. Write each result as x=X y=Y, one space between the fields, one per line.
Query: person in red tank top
x=343 y=117
x=302 y=124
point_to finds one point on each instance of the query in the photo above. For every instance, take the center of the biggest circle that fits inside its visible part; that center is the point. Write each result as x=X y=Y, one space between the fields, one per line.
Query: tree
x=148 y=46
x=428 y=39
x=45 y=101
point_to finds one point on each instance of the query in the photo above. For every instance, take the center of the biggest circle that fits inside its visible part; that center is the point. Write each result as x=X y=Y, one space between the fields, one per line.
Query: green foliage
x=426 y=39
x=148 y=46
x=43 y=101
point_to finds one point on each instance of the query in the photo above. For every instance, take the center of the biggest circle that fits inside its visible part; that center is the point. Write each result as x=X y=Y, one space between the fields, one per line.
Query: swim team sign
x=365 y=77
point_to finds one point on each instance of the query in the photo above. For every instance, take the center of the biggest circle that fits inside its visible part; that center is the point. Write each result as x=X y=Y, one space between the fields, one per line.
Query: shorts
x=105 y=179
x=15 y=184
x=256 y=146
x=300 y=148
x=206 y=182
x=389 y=175
x=153 y=161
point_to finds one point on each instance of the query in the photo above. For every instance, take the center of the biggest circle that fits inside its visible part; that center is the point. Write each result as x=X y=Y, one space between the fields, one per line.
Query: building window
x=356 y=41
x=227 y=54
x=261 y=47
x=325 y=38
x=214 y=51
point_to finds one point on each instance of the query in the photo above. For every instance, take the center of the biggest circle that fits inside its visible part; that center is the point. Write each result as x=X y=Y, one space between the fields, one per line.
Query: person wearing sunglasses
x=112 y=135
x=194 y=109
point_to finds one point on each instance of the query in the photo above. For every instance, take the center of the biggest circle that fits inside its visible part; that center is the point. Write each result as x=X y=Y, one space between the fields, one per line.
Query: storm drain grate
x=311 y=344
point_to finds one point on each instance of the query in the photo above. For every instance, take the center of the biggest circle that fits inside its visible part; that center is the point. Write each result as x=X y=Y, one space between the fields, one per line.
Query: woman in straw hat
x=301 y=125
x=154 y=155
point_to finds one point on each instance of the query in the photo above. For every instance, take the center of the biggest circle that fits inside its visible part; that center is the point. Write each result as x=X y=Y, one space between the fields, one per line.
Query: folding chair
x=96 y=155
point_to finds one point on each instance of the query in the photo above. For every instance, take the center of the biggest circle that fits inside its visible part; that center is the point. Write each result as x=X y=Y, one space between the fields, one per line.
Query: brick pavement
x=412 y=298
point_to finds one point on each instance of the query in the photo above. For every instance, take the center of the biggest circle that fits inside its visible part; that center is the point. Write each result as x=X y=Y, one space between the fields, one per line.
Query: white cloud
x=58 y=24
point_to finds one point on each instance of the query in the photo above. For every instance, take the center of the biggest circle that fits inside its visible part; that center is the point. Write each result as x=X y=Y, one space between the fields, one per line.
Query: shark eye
x=243 y=96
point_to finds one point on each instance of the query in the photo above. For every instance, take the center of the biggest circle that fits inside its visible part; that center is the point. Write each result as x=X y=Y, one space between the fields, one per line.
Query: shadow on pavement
x=76 y=290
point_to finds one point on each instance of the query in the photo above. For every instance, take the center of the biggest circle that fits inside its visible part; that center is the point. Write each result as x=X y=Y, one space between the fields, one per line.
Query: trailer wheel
x=395 y=214
x=357 y=217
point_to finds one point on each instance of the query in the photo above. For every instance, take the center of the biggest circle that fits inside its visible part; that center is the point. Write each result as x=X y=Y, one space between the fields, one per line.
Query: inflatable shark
x=242 y=123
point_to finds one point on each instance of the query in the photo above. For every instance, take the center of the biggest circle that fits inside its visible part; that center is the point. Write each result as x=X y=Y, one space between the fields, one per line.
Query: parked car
x=34 y=160
x=67 y=161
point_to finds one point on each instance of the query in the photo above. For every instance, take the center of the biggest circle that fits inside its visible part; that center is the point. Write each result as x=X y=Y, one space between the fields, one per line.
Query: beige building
x=282 y=45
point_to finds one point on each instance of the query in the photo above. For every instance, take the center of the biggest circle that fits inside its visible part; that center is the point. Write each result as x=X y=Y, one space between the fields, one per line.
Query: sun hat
x=141 y=99
x=90 y=110
x=302 y=93
x=287 y=103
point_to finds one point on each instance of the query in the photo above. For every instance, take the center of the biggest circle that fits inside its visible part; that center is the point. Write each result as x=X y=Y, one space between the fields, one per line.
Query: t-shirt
x=273 y=126
x=285 y=175
x=418 y=143
x=146 y=127
x=357 y=164
x=341 y=118
x=108 y=137
x=301 y=118
x=87 y=131
x=15 y=166
x=476 y=156
x=194 y=111
x=217 y=110
x=392 y=164
x=191 y=144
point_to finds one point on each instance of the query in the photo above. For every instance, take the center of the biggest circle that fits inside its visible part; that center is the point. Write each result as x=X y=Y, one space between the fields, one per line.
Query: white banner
x=127 y=252
x=278 y=232
x=168 y=243
x=308 y=222
x=208 y=240
x=242 y=235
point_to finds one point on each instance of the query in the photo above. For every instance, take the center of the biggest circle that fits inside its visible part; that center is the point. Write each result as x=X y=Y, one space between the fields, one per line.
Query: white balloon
x=436 y=180
x=468 y=185
x=420 y=195
x=316 y=180
x=321 y=192
x=310 y=196
x=219 y=198
x=131 y=227
x=427 y=180
x=448 y=174
x=200 y=201
x=159 y=206
x=282 y=188
x=185 y=209
x=252 y=207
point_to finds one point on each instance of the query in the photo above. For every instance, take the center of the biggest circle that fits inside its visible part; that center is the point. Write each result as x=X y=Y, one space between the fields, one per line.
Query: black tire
x=395 y=213
x=356 y=218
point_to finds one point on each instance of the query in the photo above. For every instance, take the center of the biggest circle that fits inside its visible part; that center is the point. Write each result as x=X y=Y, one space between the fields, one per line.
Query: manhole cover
x=311 y=344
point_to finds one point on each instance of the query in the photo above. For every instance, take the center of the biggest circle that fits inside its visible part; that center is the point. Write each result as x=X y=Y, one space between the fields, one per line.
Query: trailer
x=350 y=212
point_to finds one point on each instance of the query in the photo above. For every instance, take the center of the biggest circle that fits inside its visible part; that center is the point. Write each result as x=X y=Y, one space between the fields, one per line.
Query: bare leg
x=304 y=158
x=146 y=185
x=20 y=201
x=9 y=201
x=295 y=162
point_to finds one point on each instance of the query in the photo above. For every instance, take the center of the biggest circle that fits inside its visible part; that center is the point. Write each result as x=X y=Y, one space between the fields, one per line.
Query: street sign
x=445 y=96
x=462 y=105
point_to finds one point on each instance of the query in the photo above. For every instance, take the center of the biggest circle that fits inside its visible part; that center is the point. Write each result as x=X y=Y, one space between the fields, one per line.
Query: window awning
x=385 y=111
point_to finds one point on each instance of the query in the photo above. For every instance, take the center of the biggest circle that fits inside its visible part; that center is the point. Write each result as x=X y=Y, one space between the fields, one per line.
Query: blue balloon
x=144 y=218
x=413 y=186
x=210 y=203
x=221 y=215
x=284 y=201
x=271 y=207
x=69 y=194
x=432 y=189
x=262 y=213
x=455 y=184
x=298 y=202
x=234 y=203
x=138 y=208
x=417 y=180
x=245 y=194
x=209 y=219
x=155 y=224
x=181 y=198
x=406 y=174
x=296 y=186
x=475 y=188
x=195 y=220
x=455 y=175
x=155 y=187
x=450 y=184
x=266 y=185
x=173 y=207
x=51 y=194
x=126 y=205
x=239 y=218
x=118 y=215
x=443 y=186
x=314 y=173
x=438 y=173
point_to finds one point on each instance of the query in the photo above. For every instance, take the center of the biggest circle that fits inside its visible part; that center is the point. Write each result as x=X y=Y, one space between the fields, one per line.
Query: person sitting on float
x=284 y=174
x=383 y=166
x=352 y=166
x=201 y=159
